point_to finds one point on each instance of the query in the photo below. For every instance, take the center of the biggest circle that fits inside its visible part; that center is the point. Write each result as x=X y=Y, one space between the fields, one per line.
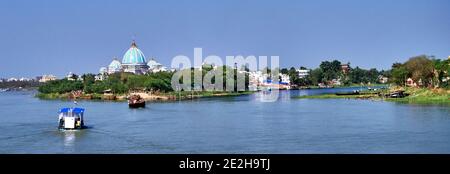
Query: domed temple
x=134 y=61
x=114 y=66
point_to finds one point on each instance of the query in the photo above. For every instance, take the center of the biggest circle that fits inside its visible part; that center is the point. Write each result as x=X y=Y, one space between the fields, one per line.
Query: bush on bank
x=122 y=83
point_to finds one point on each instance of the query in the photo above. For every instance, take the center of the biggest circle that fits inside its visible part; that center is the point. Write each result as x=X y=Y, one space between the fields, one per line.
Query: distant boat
x=136 y=101
x=397 y=94
x=355 y=92
x=4 y=90
x=267 y=90
x=71 y=118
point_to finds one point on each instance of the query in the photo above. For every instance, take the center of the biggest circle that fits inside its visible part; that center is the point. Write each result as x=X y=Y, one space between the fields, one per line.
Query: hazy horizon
x=53 y=37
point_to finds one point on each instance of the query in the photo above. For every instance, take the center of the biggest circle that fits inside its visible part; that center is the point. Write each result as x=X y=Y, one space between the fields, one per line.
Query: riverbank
x=18 y=89
x=425 y=96
x=169 y=96
x=342 y=86
x=414 y=95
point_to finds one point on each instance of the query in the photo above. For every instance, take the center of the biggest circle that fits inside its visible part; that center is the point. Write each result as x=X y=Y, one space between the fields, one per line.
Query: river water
x=242 y=124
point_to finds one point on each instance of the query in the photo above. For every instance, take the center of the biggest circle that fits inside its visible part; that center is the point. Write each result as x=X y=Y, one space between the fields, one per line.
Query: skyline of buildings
x=134 y=61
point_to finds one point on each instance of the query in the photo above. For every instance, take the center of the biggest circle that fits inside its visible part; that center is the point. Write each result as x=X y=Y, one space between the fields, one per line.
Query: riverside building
x=133 y=61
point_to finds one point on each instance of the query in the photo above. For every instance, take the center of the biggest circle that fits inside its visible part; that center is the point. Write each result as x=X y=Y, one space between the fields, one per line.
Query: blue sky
x=55 y=37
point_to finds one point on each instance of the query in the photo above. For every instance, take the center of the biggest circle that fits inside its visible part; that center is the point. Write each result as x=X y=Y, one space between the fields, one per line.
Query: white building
x=24 y=79
x=382 y=79
x=71 y=76
x=12 y=79
x=258 y=79
x=114 y=67
x=336 y=82
x=100 y=77
x=255 y=79
x=154 y=66
x=46 y=78
x=285 y=79
x=103 y=70
x=133 y=61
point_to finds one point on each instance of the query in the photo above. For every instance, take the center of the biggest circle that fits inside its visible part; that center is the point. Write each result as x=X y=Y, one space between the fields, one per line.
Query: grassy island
x=415 y=95
x=425 y=96
x=367 y=95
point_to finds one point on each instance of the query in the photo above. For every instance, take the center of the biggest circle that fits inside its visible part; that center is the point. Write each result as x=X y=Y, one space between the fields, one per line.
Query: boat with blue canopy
x=71 y=118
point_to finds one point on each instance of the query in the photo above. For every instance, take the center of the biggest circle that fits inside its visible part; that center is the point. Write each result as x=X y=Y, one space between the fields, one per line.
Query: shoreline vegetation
x=413 y=95
x=170 y=96
x=421 y=79
x=118 y=86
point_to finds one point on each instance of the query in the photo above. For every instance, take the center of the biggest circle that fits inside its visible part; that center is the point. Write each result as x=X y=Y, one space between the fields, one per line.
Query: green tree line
x=329 y=70
x=426 y=71
x=121 y=83
x=118 y=83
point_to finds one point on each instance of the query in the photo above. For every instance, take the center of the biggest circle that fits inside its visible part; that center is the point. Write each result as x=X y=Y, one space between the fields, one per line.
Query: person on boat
x=78 y=122
x=61 y=120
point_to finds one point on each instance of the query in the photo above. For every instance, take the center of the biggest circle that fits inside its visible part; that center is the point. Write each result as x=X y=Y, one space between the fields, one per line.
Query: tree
x=372 y=75
x=386 y=73
x=441 y=71
x=88 y=78
x=157 y=84
x=136 y=82
x=331 y=70
x=356 y=75
x=399 y=75
x=293 y=76
x=88 y=81
x=116 y=85
x=397 y=65
x=421 y=69
x=61 y=86
x=316 y=76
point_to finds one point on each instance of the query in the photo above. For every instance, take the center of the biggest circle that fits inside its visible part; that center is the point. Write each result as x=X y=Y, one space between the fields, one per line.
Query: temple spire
x=133 y=44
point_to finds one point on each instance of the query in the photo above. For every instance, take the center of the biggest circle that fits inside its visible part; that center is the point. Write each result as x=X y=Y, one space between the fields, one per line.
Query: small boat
x=355 y=92
x=136 y=101
x=71 y=118
x=267 y=90
x=397 y=94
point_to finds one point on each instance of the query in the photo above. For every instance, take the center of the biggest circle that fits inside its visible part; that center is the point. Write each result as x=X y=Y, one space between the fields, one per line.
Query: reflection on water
x=69 y=138
x=242 y=124
x=328 y=90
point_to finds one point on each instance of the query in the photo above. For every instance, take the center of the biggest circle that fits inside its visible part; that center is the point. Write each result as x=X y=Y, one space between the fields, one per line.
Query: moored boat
x=136 y=101
x=355 y=92
x=398 y=94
